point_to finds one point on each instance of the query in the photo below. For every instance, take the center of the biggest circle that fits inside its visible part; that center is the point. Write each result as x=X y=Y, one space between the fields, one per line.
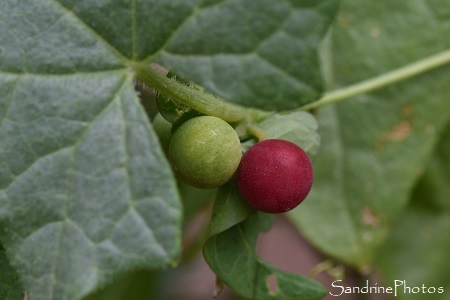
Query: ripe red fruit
x=274 y=176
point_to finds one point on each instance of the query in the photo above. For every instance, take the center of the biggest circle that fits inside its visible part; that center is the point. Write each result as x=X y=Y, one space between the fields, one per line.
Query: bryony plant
x=87 y=193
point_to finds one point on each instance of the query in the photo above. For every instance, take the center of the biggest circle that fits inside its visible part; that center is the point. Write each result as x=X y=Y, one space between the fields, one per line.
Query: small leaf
x=229 y=208
x=232 y=257
x=170 y=110
x=299 y=127
x=230 y=252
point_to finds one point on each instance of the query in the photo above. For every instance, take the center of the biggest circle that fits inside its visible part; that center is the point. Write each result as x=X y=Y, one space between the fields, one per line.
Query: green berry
x=205 y=152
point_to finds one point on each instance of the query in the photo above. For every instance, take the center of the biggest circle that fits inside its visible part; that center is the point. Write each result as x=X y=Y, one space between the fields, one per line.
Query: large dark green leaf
x=374 y=145
x=417 y=250
x=257 y=53
x=85 y=191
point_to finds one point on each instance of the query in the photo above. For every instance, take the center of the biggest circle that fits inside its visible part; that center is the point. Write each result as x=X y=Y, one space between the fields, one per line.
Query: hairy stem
x=200 y=101
x=383 y=80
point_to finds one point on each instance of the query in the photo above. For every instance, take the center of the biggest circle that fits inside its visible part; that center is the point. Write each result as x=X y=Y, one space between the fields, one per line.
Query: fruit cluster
x=273 y=176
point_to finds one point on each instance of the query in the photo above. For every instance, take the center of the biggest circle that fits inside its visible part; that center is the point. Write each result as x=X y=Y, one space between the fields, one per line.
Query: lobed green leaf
x=256 y=53
x=86 y=193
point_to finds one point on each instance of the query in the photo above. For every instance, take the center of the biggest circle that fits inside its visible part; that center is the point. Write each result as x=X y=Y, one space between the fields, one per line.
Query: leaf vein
x=70 y=12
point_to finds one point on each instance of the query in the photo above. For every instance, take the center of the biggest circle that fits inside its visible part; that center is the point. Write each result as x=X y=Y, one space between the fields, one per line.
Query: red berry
x=274 y=176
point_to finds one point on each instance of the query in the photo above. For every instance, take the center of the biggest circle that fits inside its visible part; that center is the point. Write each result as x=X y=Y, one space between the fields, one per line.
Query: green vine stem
x=200 y=101
x=335 y=271
x=257 y=132
x=383 y=80
x=214 y=106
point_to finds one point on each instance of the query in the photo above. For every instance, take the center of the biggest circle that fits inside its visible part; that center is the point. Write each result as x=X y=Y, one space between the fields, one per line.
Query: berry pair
x=273 y=176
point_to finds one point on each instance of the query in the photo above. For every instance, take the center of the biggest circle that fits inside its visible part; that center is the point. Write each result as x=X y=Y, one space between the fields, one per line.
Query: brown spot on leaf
x=407 y=111
x=375 y=32
x=369 y=218
x=272 y=284
x=343 y=22
x=400 y=132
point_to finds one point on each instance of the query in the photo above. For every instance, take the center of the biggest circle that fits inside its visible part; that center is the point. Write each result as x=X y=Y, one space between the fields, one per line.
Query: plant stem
x=200 y=101
x=257 y=132
x=320 y=267
x=383 y=80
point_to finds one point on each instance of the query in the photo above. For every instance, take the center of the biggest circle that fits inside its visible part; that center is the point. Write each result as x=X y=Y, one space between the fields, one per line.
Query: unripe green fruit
x=205 y=152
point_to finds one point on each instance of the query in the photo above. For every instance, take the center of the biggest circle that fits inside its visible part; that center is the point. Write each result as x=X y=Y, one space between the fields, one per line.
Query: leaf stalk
x=408 y=71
